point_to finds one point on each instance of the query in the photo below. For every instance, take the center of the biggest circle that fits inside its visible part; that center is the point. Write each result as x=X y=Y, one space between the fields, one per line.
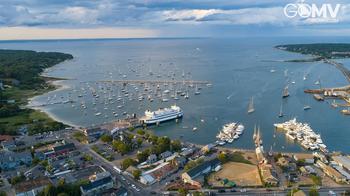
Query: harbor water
x=237 y=68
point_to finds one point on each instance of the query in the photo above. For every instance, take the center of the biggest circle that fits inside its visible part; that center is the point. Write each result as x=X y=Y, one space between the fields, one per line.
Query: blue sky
x=46 y=19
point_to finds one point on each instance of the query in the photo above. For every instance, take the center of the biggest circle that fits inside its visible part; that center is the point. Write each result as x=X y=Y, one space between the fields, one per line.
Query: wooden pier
x=156 y=81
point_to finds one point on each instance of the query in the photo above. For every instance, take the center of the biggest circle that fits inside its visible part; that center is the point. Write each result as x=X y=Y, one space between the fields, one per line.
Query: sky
x=74 y=19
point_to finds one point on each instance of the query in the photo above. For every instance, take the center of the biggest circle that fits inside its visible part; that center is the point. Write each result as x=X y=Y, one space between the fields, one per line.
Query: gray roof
x=8 y=156
x=69 y=146
x=343 y=160
x=200 y=168
x=96 y=183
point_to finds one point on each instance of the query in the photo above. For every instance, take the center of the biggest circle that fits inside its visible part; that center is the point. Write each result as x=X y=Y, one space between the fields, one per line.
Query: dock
x=156 y=81
x=339 y=66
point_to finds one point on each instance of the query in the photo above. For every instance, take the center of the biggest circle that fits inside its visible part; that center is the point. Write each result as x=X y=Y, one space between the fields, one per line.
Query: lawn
x=242 y=174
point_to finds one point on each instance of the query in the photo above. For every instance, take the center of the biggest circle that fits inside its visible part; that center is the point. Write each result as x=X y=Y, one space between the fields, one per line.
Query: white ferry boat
x=161 y=115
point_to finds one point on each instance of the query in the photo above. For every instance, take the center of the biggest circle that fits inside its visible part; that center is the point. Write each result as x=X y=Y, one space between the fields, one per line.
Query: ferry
x=161 y=115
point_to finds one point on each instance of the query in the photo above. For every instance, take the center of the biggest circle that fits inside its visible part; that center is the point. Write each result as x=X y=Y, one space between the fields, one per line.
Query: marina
x=229 y=133
x=303 y=134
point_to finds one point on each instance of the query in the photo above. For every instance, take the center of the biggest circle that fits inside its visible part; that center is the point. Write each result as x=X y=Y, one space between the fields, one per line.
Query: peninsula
x=20 y=79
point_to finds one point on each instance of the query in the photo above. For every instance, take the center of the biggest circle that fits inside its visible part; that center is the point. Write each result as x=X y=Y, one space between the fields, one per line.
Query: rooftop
x=32 y=184
x=68 y=146
x=96 y=183
x=194 y=171
x=343 y=161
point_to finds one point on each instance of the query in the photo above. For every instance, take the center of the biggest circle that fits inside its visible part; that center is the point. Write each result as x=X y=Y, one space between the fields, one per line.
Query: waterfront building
x=165 y=155
x=331 y=172
x=191 y=176
x=152 y=159
x=343 y=161
x=94 y=132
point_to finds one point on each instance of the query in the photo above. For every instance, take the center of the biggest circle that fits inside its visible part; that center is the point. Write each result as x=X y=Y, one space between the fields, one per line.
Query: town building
x=165 y=155
x=63 y=149
x=31 y=187
x=152 y=159
x=207 y=148
x=187 y=152
x=191 y=176
x=331 y=172
x=11 y=160
x=121 y=192
x=98 y=185
x=342 y=161
x=94 y=132
x=9 y=145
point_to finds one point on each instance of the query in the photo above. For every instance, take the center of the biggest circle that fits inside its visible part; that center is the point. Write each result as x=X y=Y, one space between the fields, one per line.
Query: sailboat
x=251 y=106
x=334 y=104
x=285 y=92
x=280 y=115
x=197 y=91
x=307 y=107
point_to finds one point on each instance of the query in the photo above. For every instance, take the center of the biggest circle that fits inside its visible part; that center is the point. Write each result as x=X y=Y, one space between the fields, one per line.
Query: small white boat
x=98 y=114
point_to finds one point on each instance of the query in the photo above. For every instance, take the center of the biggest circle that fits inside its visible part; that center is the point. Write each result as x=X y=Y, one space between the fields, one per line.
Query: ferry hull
x=157 y=121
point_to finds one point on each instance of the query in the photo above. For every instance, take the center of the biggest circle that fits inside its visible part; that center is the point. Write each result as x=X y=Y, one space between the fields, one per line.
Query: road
x=109 y=167
x=272 y=191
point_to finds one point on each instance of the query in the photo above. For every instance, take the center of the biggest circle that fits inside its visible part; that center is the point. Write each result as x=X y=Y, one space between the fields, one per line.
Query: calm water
x=237 y=68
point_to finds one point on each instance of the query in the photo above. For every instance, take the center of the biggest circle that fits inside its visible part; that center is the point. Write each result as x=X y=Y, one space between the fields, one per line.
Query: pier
x=156 y=81
x=339 y=66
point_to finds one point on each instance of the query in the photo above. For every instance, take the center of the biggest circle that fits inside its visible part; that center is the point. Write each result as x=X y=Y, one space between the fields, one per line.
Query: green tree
x=106 y=138
x=3 y=193
x=136 y=174
x=176 y=145
x=182 y=191
x=313 y=192
x=142 y=156
x=127 y=162
x=139 y=142
x=121 y=147
x=222 y=157
x=140 y=132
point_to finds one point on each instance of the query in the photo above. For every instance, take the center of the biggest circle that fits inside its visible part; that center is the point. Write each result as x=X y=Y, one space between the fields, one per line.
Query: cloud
x=24 y=33
x=160 y=15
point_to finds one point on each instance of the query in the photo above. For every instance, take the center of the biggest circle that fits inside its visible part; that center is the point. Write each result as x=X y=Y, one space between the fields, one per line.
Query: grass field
x=240 y=173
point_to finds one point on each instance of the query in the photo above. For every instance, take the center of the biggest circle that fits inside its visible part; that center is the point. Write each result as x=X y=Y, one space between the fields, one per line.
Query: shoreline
x=57 y=84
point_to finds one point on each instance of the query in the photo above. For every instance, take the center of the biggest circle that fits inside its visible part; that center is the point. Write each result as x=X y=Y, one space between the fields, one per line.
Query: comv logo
x=305 y=10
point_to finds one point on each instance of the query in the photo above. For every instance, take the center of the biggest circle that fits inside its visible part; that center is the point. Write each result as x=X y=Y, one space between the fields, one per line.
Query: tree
x=182 y=191
x=222 y=157
x=127 y=163
x=106 y=138
x=163 y=143
x=139 y=142
x=142 y=156
x=140 y=132
x=121 y=147
x=3 y=193
x=87 y=157
x=136 y=174
x=176 y=145
x=313 y=192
